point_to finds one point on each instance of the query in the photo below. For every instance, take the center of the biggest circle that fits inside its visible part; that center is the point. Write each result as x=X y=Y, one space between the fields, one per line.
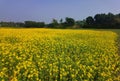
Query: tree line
x=103 y=21
x=98 y=21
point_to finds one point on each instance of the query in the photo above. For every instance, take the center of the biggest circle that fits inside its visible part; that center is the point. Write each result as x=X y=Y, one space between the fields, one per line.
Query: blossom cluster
x=58 y=55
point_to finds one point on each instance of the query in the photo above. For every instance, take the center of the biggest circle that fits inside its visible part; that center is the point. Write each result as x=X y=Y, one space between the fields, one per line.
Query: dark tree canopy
x=34 y=24
x=98 y=21
x=90 y=20
x=70 y=21
x=103 y=21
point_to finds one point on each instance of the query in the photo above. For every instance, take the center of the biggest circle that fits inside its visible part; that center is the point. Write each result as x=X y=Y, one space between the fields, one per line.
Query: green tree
x=61 y=21
x=90 y=20
x=80 y=24
x=40 y=24
x=69 y=21
x=34 y=24
x=53 y=24
x=104 y=20
x=20 y=24
x=29 y=24
x=117 y=21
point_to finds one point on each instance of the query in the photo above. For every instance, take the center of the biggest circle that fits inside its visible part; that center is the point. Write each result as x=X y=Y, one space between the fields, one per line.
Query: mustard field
x=58 y=55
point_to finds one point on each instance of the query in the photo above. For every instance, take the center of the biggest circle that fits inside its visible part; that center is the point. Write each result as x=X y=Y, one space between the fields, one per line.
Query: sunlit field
x=58 y=55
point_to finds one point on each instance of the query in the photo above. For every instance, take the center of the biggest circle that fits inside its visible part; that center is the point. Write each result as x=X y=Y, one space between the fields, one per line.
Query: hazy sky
x=45 y=10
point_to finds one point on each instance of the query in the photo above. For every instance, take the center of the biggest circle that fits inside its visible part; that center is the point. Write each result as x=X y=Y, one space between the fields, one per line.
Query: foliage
x=90 y=20
x=99 y=21
x=69 y=21
x=54 y=24
x=103 y=21
x=10 y=24
x=34 y=24
x=58 y=55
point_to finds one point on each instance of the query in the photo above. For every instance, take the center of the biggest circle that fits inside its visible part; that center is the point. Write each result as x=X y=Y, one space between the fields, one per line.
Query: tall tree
x=90 y=20
x=61 y=20
x=55 y=23
x=70 y=21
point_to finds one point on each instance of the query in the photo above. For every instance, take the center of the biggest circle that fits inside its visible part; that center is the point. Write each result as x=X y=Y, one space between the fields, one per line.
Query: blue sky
x=46 y=10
